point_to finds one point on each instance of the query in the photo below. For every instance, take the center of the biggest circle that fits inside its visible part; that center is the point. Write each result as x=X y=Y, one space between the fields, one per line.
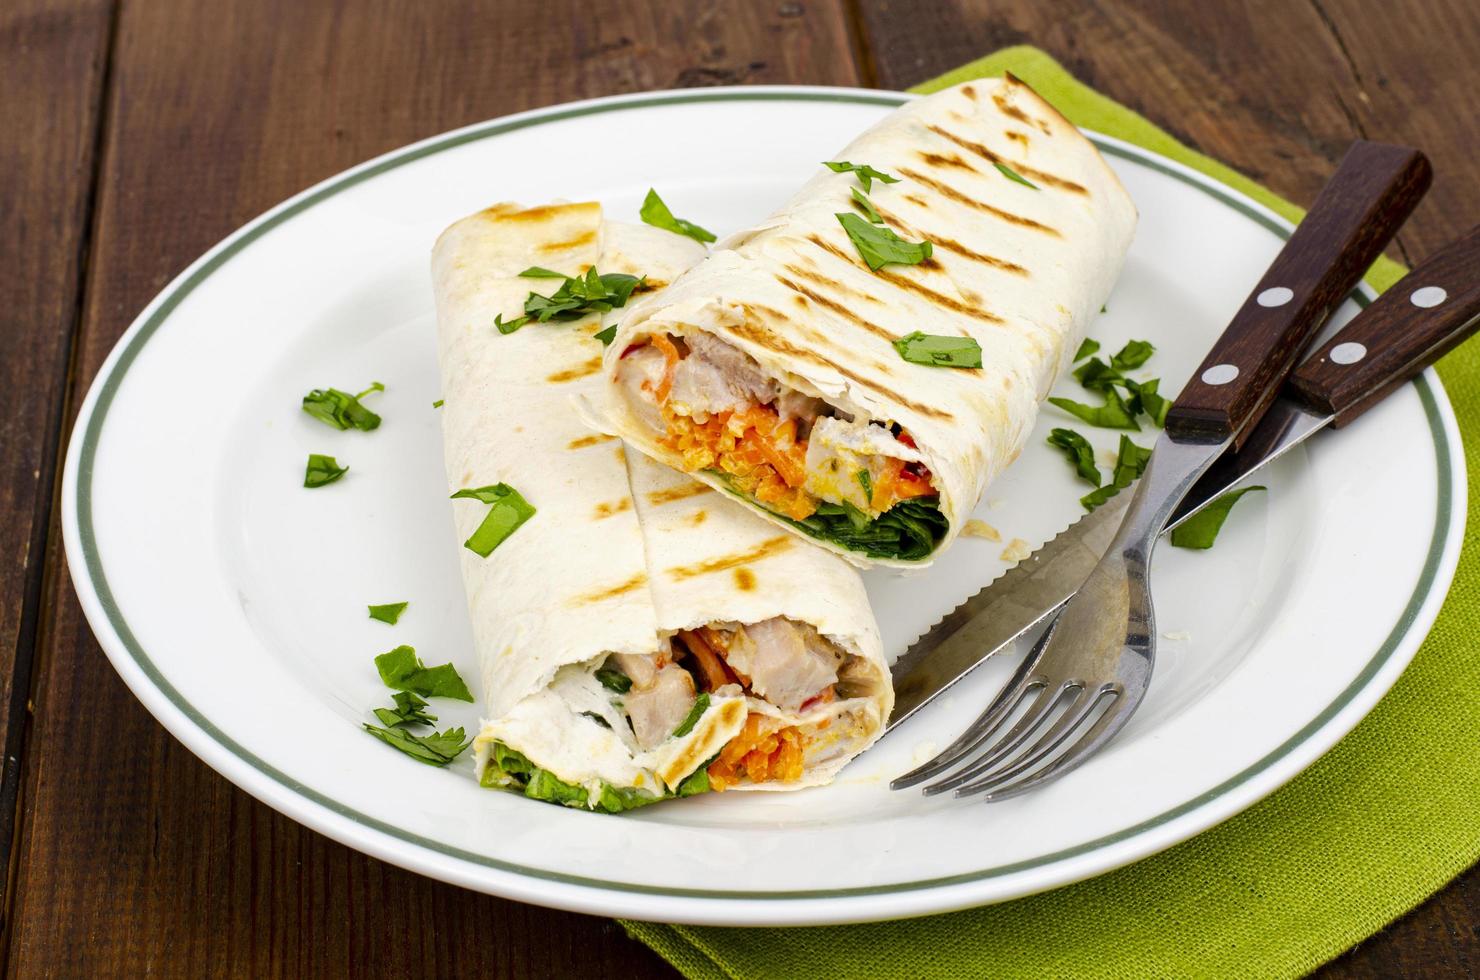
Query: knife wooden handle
x=1359 y=210
x=1422 y=318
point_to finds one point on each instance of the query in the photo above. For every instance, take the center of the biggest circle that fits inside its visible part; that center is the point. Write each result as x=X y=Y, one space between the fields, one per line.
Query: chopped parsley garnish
x=1086 y=348
x=654 y=212
x=388 y=613
x=878 y=246
x=1132 y=355
x=508 y=512
x=1151 y=403
x=867 y=482
x=868 y=207
x=607 y=336
x=402 y=670
x=1114 y=414
x=576 y=297
x=1201 y=529
x=1099 y=375
x=597 y=718
x=866 y=174
x=614 y=680
x=1081 y=454
x=1129 y=465
x=1012 y=174
x=955 y=352
x=341 y=409
x=436 y=749
x=701 y=705
x=408 y=711
x=322 y=470
x=438 y=403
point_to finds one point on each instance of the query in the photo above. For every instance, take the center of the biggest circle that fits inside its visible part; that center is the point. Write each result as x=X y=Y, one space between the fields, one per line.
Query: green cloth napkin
x=1378 y=824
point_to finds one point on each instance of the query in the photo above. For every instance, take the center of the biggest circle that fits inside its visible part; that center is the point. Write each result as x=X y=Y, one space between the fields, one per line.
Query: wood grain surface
x=149 y=130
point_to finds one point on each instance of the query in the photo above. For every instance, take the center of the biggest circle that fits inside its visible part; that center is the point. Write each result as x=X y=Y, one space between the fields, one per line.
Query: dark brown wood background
x=136 y=133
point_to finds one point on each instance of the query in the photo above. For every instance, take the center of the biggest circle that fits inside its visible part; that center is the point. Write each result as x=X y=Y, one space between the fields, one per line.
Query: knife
x=1413 y=324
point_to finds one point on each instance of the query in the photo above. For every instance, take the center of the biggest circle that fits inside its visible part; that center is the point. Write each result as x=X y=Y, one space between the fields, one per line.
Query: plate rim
x=859 y=903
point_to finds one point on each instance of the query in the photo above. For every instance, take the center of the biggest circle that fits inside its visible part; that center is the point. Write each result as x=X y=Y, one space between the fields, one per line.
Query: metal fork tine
x=1104 y=729
x=986 y=723
x=1004 y=746
x=1084 y=705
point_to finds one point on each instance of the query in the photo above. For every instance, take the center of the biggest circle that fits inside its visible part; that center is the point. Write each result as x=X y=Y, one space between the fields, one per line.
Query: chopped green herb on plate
x=1201 y=529
x=322 y=471
x=388 y=613
x=1080 y=453
x=401 y=670
x=341 y=409
x=654 y=212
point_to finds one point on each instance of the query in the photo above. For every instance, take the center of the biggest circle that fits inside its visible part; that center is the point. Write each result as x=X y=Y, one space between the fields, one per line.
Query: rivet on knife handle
x=1416 y=322
x=1372 y=192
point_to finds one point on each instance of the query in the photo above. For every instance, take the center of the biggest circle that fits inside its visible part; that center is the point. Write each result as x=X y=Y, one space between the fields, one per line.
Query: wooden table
x=137 y=134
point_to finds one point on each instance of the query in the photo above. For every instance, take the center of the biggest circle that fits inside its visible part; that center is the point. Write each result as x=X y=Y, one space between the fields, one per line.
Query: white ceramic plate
x=233 y=601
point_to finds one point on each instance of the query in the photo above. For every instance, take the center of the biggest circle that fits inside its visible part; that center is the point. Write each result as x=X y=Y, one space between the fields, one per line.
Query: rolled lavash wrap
x=749 y=659
x=771 y=369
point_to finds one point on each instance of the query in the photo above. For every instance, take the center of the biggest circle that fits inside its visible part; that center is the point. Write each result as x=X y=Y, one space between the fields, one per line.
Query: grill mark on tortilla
x=605 y=510
x=828 y=304
x=1012 y=111
x=584 y=238
x=938 y=298
x=699 y=517
x=544 y=211
x=581 y=371
x=1017 y=137
x=744 y=579
x=758 y=334
x=951 y=245
x=635 y=582
x=939 y=160
x=971 y=202
x=917 y=200
x=762 y=551
x=818 y=279
x=969 y=92
x=590 y=440
x=1022 y=168
x=672 y=494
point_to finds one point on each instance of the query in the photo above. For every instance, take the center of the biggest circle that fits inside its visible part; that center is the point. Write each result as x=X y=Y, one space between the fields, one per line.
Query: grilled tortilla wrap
x=640 y=636
x=770 y=370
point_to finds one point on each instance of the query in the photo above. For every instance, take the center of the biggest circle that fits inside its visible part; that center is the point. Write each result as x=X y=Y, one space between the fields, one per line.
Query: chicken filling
x=713 y=406
x=786 y=664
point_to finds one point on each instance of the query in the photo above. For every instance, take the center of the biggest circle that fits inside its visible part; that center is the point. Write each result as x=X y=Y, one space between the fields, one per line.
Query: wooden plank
x=53 y=56
x=1260 y=85
x=1278 y=90
x=135 y=857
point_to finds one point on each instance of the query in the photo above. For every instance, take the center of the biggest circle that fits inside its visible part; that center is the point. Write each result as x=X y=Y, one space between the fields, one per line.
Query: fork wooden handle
x=1359 y=210
x=1422 y=318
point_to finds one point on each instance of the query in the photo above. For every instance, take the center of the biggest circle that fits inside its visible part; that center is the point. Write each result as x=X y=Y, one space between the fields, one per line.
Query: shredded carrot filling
x=759 y=452
x=763 y=750
x=763 y=457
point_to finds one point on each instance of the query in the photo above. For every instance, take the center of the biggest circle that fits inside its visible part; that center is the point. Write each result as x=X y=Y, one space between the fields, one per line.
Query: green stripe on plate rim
x=245 y=236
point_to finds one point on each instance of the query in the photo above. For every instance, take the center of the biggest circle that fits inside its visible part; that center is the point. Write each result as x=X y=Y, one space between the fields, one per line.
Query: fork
x=1088 y=673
